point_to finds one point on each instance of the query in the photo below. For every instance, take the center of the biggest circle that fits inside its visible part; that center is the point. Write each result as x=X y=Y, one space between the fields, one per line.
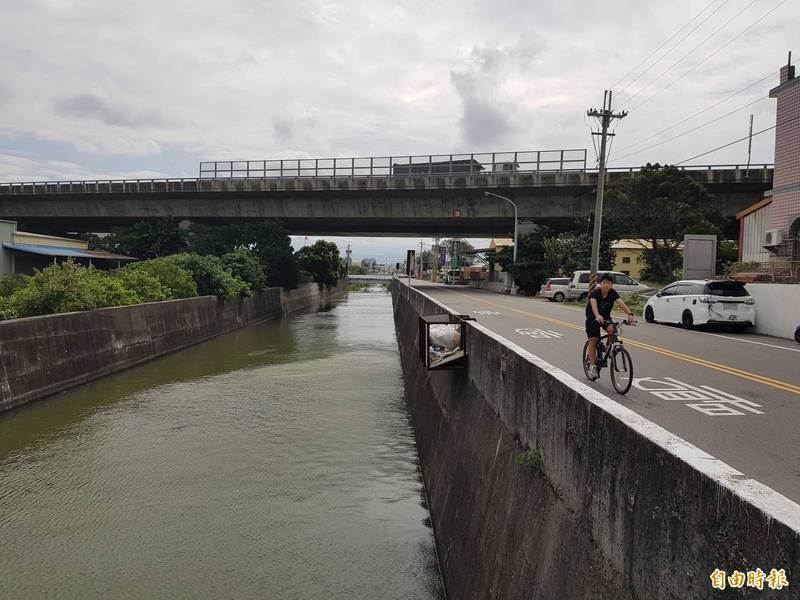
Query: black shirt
x=604 y=305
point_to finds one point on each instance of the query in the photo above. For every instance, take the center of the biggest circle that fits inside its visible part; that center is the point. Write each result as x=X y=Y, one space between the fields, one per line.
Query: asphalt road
x=734 y=395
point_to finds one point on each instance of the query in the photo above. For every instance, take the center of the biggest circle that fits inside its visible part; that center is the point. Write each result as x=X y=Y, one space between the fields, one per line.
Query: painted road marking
x=781 y=385
x=489 y=313
x=727 y=337
x=712 y=401
x=540 y=333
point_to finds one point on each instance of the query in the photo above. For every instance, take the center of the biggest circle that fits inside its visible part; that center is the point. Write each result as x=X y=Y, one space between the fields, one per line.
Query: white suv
x=694 y=302
x=579 y=284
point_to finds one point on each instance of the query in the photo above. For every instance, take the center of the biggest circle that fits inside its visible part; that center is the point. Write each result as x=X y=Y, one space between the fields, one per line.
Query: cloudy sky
x=146 y=88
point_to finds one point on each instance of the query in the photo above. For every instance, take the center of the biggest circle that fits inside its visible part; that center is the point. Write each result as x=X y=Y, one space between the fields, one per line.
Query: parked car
x=579 y=284
x=555 y=289
x=797 y=334
x=693 y=302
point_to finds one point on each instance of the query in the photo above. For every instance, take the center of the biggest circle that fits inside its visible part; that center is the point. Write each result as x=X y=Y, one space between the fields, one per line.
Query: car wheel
x=558 y=297
x=583 y=297
x=797 y=335
x=648 y=315
x=687 y=320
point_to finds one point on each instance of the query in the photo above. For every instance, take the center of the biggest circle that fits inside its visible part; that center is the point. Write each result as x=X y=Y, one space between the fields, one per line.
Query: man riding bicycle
x=598 y=314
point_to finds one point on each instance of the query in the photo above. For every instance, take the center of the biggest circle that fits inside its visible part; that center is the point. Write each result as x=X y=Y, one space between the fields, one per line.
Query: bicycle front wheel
x=621 y=370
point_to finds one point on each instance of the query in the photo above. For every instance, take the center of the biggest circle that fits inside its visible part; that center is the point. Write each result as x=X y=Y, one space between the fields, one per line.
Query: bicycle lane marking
x=762 y=379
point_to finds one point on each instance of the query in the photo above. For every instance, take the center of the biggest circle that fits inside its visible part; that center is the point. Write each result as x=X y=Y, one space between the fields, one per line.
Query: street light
x=509 y=200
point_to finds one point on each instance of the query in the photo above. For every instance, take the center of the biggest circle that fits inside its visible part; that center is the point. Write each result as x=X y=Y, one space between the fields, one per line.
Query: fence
x=777 y=271
x=490 y=163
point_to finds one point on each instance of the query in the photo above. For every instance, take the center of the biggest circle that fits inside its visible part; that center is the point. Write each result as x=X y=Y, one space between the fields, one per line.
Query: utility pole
x=750 y=143
x=606 y=116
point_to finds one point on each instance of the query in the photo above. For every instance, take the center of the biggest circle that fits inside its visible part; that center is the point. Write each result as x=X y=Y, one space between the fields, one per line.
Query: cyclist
x=598 y=314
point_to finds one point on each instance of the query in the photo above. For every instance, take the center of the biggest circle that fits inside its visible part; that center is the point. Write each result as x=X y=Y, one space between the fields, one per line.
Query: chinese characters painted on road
x=704 y=398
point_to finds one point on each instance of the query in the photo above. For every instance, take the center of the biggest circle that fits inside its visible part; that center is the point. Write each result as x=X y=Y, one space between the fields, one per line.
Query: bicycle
x=621 y=361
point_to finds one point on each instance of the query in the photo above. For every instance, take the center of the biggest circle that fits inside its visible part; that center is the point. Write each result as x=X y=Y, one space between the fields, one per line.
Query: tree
x=210 y=275
x=146 y=239
x=174 y=279
x=146 y=287
x=247 y=266
x=267 y=239
x=357 y=270
x=662 y=204
x=322 y=260
x=68 y=287
x=531 y=269
x=570 y=252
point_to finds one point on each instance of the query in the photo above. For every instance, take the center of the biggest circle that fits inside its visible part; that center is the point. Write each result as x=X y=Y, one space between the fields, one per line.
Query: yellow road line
x=781 y=385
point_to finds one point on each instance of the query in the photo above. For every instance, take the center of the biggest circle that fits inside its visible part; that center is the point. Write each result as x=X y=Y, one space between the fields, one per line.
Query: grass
x=530 y=459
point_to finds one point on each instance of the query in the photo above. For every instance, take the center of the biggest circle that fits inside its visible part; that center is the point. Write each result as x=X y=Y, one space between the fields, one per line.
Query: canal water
x=274 y=462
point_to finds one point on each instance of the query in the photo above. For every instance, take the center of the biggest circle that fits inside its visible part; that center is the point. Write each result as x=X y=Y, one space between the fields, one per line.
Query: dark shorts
x=593 y=328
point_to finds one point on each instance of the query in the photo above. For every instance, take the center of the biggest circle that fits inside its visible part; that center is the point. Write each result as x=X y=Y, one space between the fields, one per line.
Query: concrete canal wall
x=617 y=507
x=43 y=355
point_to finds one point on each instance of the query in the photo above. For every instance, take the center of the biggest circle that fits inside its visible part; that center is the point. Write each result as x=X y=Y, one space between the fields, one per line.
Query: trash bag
x=445 y=336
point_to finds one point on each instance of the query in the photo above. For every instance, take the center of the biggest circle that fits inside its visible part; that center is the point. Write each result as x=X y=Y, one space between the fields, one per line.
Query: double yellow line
x=775 y=383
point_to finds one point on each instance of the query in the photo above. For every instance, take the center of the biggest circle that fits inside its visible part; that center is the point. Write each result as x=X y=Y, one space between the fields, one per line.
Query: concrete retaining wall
x=777 y=308
x=43 y=355
x=618 y=509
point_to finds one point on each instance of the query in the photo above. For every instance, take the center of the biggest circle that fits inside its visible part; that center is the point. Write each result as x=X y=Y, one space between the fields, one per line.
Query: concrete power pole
x=606 y=116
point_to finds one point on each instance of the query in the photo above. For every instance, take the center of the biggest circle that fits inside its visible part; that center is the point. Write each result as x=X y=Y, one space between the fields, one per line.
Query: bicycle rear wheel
x=621 y=370
x=585 y=359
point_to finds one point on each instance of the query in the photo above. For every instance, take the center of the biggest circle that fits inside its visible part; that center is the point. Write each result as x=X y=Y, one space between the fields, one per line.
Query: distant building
x=629 y=256
x=22 y=252
x=782 y=238
x=369 y=264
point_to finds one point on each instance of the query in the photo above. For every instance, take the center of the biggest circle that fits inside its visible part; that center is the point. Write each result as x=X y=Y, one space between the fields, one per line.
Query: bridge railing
x=487 y=163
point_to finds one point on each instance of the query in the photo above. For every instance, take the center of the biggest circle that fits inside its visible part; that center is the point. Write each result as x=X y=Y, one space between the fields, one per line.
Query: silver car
x=555 y=289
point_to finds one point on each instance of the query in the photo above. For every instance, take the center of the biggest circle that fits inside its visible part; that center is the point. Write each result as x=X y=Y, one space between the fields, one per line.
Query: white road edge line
x=771 y=503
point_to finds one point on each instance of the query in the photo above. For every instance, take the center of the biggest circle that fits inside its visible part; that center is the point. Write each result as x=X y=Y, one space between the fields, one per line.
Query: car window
x=669 y=290
x=560 y=281
x=683 y=289
x=698 y=289
x=583 y=278
x=726 y=288
x=620 y=279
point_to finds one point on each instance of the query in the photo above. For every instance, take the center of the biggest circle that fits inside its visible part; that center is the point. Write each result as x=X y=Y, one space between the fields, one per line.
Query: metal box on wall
x=699 y=256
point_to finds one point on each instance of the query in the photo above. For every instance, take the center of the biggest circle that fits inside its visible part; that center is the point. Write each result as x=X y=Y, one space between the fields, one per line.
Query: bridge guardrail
x=549 y=163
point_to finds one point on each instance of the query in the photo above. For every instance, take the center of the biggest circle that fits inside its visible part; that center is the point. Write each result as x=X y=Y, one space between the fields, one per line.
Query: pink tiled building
x=784 y=214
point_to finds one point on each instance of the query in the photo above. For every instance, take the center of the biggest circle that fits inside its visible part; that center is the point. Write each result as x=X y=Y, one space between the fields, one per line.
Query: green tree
x=68 y=287
x=10 y=283
x=247 y=266
x=174 y=279
x=269 y=240
x=662 y=204
x=322 y=260
x=147 y=239
x=531 y=268
x=146 y=287
x=210 y=275
x=357 y=270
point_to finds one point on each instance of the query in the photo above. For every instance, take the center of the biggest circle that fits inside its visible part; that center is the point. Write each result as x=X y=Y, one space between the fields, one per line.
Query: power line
x=730 y=41
x=700 y=112
x=739 y=140
x=688 y=54
x=706 y=124
x=646 y=58
x=678 y=43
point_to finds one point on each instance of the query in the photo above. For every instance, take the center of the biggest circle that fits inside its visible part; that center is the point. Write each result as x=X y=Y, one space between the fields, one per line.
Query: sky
x=97 y=89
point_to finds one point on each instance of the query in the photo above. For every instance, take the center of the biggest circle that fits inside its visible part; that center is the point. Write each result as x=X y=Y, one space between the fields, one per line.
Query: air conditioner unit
x=772 y=238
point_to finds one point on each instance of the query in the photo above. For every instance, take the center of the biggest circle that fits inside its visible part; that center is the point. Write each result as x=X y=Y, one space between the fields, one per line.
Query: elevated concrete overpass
x=402 y=199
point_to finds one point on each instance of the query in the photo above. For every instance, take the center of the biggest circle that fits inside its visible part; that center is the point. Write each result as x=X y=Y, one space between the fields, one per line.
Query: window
x=620 y=279
x=726 y=288
x=669 y=290
x=583 y=278
x=626 y=260
x=684 y=289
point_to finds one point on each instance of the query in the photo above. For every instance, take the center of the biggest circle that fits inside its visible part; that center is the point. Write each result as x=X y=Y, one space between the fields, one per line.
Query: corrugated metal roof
x=66 y=252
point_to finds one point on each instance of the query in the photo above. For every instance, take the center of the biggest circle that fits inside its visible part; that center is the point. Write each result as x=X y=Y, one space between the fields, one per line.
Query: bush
x=145 y=286
x=10 y=283
x=210 y=275
x=247 y=266
x=176 y=281
x=68 y=287
x=6 y=310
